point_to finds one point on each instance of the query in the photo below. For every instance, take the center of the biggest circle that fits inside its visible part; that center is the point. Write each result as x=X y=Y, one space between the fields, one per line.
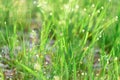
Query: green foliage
x=85 y=34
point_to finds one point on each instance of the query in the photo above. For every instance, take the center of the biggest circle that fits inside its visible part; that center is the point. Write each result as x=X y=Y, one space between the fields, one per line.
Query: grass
x=59 y=40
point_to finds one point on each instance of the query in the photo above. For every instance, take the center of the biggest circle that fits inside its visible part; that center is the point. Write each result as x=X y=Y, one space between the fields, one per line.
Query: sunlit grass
x=60 y=40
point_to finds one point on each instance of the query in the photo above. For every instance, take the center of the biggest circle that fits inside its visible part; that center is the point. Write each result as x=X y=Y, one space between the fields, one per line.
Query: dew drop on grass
x=66 y=7
x=70 y=21
x=85 y=73
x=93 y=5
x=78 y=74
x=109 y=0
x=61 y=34
x=51 y=14
x=115 y=58
x=77 y=6
x=98 y=11
x=100 y=36
x=116 y=18
x=34 y=2
x=102 y=7
x=99 y=59
x=103 y=19
x=56 y=78
x=83 y=30
x=0 y=56
x=37 y=66
x=81 y=62
x=46 y=63
x=85 y=9
x=5 y=22
x=107 y=61
x=97 y=39
x=89 y=15
x=38 y=5
x=44 y=72
x=97 y=74
x=37 y=56
x=72 y=10
x=82 y=73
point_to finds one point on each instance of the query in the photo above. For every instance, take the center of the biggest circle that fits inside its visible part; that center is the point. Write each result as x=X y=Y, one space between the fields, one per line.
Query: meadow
x=59 y=40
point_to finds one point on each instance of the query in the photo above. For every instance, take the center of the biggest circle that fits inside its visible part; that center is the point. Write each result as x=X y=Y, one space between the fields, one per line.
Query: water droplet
x=97 y=38
x=85 y=9
x=103 y=19
x=44 y=72
x=89 y=15
x=107 y=61
x=98 y=11
x=37 y=56
x=56 y=78
x=116 y=59
x=38 y=5
x=102 y=7
x=116 y=18
x=66 y=7
x=98 y=59
x=61 y=34
x=83 y=30
x=46 y=63
x=109 y=0
x=85 y=73
x=77 y=6
x=93 y=5
x=82 y=73
x=81 y=62
x=5 y=22
x=97 y=74
x=37 y=66
x=34 y=2
x=51 y=14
